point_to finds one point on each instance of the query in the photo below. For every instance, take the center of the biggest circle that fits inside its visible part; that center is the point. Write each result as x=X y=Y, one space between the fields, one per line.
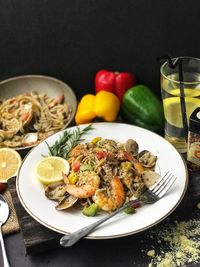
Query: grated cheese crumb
x=151 y=253
x=179 y=254
x=167 y=261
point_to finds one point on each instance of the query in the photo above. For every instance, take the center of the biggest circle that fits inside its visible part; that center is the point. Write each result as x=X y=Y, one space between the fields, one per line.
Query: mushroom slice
x=147 y=159
x=132 y=147
x=56 y=191
x=66 y=202
x=150 y=178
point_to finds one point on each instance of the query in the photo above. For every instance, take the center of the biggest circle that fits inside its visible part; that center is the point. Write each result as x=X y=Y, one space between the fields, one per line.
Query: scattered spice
x=183 y=242
x=151 y=253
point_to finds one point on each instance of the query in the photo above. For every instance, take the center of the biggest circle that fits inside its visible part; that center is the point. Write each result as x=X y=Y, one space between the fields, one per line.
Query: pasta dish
x=104 y=173
x=29 y=118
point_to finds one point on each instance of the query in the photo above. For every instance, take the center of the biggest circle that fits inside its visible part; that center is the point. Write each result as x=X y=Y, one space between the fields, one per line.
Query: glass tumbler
x=170 y=90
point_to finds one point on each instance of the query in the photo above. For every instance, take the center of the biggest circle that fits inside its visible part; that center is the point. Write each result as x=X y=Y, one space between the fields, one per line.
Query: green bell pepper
x=141 y=107
x=91 y=210
x=129 y=210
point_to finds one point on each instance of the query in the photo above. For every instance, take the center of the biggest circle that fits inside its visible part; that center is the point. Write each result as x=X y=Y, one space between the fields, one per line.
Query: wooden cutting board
x=38 y=238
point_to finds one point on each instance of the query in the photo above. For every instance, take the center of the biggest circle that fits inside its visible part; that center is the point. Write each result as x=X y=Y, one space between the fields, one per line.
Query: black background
x=72 y=39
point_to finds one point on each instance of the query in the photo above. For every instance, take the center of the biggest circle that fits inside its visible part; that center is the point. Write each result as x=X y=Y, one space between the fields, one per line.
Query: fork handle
x=5 y=259
x=71 y=239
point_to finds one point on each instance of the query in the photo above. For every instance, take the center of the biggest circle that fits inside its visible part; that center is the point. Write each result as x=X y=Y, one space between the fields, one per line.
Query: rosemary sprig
x=57 y=147
x=67 y=141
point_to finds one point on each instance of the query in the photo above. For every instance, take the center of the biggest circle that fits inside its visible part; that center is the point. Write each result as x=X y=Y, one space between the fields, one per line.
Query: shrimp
x=86 y=186
x=55 y=101
x=138 y=166
x=110 y=201
x=79 y=150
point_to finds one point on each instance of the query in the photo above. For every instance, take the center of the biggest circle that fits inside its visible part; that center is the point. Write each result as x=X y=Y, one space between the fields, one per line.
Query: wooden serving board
x=38 y=238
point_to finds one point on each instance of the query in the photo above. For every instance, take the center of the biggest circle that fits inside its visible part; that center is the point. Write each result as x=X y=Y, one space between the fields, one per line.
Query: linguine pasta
x=106 y=173
x=29 y=118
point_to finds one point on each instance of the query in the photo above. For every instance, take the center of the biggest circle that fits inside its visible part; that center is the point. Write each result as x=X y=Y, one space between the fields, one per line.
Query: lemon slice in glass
x=172 y=109
x=10 y=161
x=49 y=169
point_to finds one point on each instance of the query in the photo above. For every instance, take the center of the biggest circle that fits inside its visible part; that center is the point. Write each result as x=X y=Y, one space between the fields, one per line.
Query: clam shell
x=132 y=147
x=66 y=202
x=56 y=191
x=147 y=159
x=150 y=178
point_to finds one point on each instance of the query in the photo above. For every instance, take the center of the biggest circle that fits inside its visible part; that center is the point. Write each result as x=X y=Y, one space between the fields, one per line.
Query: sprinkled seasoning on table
x=183 y=242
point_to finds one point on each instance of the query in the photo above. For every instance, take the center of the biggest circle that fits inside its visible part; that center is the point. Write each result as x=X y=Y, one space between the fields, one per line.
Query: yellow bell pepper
x=85 y=111
x=72 y=178
x=106 y=105
x=96 y=139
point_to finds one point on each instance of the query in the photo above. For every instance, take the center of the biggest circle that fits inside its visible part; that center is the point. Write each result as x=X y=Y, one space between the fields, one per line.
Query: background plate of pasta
x=33 y=107
x=82 y=173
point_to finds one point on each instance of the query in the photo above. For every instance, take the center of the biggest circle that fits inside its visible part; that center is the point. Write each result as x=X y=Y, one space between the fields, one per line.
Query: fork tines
x=164 y=184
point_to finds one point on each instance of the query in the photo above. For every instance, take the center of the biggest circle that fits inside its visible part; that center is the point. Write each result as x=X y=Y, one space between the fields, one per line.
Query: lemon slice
x=172 y=109
x=187 y=91
x=49 y=169
x=10 y=161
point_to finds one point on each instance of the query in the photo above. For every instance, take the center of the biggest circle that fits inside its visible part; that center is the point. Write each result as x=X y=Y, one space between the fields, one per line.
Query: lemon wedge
x=172 y=109
x=49 y=169
x=10 y=161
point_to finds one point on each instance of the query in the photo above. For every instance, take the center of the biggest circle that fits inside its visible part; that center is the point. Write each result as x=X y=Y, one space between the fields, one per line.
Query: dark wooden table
x=126 y=251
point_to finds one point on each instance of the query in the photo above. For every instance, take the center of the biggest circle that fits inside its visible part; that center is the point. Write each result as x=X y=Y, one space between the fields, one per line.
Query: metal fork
x=148 y=196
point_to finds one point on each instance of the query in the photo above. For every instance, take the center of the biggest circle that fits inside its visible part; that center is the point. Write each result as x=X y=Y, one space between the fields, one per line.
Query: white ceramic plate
x=31 y=192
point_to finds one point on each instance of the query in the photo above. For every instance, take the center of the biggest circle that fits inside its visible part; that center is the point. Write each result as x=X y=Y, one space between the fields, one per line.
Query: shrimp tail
x=65 y=178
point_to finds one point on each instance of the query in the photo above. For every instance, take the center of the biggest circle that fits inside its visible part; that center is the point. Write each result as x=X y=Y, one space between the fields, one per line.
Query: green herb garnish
x=67 y=141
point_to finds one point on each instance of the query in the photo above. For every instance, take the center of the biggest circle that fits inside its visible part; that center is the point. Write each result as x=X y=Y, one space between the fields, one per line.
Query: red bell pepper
x=114 y=82
x=76 y=166
x=101 y=154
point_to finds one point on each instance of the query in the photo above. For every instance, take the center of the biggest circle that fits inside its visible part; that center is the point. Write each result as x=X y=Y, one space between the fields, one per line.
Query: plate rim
x=102 y=237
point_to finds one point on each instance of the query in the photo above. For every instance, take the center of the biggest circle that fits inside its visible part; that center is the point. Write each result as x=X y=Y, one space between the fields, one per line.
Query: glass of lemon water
x=170 y=89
